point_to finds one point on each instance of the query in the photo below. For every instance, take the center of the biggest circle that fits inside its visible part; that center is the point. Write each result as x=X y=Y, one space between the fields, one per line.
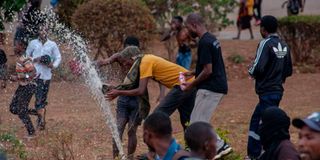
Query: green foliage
x=7 y=10
x=302 y=33
x=214 y=11
x=13 y=145
x=236 y=58
x=106 y=23
x=224 y=135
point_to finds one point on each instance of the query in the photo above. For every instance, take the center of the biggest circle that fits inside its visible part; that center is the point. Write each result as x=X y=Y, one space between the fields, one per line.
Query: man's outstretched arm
x=133 y=92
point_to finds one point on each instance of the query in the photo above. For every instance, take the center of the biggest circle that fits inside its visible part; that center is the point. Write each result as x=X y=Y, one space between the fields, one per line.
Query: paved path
x=269 y=7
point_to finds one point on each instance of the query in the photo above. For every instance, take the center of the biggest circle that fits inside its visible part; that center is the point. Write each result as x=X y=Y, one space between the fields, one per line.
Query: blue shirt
x=172 y=150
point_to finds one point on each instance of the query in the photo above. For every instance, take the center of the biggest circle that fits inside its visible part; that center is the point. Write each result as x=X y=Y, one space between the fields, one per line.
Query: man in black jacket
x=270 y=69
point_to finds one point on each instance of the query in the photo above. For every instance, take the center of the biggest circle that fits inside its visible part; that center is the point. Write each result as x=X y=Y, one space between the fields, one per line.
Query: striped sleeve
x=258 y=55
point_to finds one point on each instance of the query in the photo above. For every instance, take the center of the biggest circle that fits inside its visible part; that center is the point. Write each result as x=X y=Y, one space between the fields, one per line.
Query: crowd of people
x=268 y=137
x=250 y=9
x=195 y=94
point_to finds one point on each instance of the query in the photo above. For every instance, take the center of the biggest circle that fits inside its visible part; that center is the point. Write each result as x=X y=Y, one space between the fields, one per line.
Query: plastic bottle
x=182 y=80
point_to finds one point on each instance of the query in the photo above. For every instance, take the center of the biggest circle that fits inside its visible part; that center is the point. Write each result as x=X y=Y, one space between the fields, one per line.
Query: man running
x=184 y=56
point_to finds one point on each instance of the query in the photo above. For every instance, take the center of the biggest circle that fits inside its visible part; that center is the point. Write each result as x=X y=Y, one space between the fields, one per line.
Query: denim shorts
x=128 y=108
x=41 y=93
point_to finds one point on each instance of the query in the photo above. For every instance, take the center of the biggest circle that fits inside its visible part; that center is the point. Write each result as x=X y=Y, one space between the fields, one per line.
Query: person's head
x=309 y=136
x=275 y=126
x=176 y=23
x=35 y=4
x=201 y=138
x=20 y=47
x=43 y=32
x=268 y=25
x=194 y=24
x=156 y=128
x=131 y=50
x=131 y=41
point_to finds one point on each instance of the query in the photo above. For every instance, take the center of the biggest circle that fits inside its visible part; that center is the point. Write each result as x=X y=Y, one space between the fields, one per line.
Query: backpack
x=293 y=6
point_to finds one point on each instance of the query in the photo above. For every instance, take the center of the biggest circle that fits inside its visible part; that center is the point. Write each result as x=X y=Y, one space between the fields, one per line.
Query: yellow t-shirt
x=249 y=5
x=163 y=71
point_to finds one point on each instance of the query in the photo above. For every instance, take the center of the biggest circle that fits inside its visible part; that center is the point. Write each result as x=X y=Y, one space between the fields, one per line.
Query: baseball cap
x=130 y=52
x=312 y=121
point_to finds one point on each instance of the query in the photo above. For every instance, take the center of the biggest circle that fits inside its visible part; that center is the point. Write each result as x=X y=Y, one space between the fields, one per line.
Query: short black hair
x=269 y=23
x=158 y=123
x=179 y=18
x=131 y=41
x=35 y=3
x=195 y=18
x=22 y=41
x=197 y=134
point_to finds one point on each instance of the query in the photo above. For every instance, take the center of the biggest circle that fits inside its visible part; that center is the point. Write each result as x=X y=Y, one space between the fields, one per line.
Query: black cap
x=312 y=121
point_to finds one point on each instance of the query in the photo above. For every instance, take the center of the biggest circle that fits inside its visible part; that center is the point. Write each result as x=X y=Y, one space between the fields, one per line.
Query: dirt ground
x=75 y=120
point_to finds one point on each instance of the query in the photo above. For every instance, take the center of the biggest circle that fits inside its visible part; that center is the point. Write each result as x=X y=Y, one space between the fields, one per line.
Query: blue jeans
x=127 y=109
x=184 y=59
x=265 y=101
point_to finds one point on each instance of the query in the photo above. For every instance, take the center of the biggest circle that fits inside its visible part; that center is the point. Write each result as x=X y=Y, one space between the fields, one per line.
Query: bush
x=8 y=8
x=302 y=33
x=106 y=23
x=66 y=8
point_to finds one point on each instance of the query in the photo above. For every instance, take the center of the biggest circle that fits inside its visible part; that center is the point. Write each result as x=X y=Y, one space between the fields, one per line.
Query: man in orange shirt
x=164 y=72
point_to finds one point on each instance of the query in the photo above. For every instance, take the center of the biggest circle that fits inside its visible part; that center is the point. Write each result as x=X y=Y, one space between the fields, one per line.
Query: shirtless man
x=184 y=56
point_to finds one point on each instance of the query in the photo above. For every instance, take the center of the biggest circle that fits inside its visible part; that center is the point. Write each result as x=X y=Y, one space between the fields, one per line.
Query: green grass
x=224 y=135
x=236 y=58
x=13 y=145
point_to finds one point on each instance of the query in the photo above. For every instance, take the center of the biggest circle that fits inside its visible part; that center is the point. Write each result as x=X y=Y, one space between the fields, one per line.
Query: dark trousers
x=267 y=100
x=177 y=99
x=257 y=9
x=19 y=105
x=41 y=93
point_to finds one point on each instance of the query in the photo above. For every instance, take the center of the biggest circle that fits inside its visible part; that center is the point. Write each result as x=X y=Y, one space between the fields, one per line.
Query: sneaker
x=223 y=151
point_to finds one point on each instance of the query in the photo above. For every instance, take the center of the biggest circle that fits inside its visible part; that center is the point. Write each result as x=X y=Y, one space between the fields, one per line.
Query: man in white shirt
x=46 y=56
